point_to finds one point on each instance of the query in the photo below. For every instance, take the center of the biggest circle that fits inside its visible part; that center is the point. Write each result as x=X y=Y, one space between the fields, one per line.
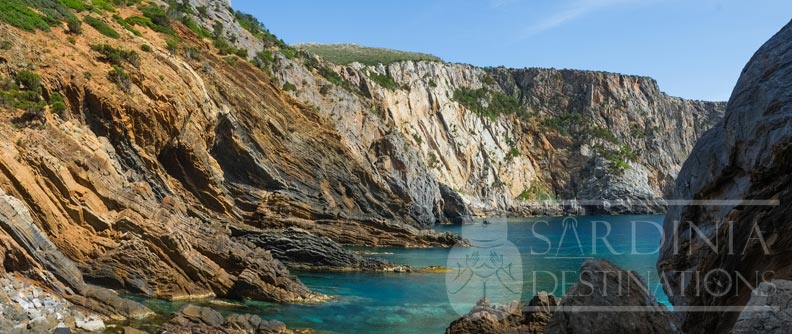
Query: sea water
x=419 y=303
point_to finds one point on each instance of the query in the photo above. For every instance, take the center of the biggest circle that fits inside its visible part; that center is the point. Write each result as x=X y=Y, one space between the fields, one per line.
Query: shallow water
x=410 y=303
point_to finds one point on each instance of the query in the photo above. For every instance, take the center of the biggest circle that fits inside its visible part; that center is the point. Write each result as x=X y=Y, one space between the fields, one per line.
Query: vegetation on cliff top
x=345 y=54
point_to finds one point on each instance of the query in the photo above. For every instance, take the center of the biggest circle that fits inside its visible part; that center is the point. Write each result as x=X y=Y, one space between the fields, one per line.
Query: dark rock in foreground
x=769 y=311
x=746 y=157
x=608 y=299
x=506 y=319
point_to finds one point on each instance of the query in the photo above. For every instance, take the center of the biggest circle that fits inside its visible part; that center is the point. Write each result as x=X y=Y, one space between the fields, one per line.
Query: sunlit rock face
x=568 y=134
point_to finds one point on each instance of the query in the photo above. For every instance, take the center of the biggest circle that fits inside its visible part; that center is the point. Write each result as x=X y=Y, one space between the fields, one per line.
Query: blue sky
x=694 y=48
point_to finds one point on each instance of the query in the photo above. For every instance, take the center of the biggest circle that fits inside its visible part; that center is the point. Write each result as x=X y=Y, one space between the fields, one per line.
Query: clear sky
x=694 y=48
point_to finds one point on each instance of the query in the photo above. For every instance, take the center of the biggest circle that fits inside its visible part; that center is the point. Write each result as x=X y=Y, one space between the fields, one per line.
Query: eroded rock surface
x=193 y=319
x=507 y=319
x=746 y=157
x=583 y=135
x=608 y=299
x=768 y=311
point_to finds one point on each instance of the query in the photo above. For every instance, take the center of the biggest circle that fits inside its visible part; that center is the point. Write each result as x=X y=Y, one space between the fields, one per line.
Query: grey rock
x=202 y=314
x=768 y=311
x=747 y=156
x=604 y=285
x=298 y=248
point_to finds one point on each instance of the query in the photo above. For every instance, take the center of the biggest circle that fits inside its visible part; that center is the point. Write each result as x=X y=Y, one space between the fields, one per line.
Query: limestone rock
x=604 y=286
x=574 y=127
x=746 y=157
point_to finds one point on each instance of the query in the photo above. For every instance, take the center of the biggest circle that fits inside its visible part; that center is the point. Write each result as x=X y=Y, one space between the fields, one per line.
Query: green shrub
x=264 y=59
x=536 y=192
x=57 y=103
x=74 y=25
x=18 y=14
x=192 y=53
x=289 y=86
x=345 y=54
x=198 y=30
x=104 y=5
x=77 y=5
x=6 y=45
x=172 y=45
x=101 y=27
x=289 y=53
x=324 y=90
x=23 y=91
x=384 y=80
x=28 y=80
x=126 y=25
x=120 y=77
x=145 y=48
x=497 y=103
x=116 y=56
x=155 y=18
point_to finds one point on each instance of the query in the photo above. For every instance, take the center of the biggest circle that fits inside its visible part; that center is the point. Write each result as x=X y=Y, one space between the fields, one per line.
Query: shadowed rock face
x=746 y=157
x=605 y=285
x=770 y=309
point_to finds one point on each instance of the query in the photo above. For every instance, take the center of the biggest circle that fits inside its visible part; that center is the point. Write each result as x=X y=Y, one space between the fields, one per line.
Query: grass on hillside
x=344 y=54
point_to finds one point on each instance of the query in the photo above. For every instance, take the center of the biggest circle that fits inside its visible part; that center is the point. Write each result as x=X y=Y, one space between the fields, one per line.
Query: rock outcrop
x=300 y=249
x=744 y=158
x=506 y=319
x=193 y=319
x=136 y=180
x=608 y=299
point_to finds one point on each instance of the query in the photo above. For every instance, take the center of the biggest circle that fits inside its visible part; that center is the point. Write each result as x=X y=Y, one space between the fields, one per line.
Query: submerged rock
x=746 y=157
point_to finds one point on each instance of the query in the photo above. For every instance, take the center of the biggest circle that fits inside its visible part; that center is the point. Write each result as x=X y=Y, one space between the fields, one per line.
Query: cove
x=418 y=302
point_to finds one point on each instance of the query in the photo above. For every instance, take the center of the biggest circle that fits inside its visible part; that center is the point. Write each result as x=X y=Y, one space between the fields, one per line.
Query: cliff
x=159 y=148
x=734 y=244
x=508 y=141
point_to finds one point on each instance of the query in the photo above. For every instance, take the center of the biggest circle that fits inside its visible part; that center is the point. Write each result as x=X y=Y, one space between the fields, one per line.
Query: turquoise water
x=412 y=303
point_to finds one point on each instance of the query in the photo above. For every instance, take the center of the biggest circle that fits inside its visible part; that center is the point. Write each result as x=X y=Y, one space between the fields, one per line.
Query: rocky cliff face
x=128 y=167
x=746 y=157
x=162 y=150
x=506 y=140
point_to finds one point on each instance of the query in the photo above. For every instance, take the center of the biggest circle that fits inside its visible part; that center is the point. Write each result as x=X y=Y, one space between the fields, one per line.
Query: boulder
x=486 y=318
x=538 y=313
x=608 y=299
